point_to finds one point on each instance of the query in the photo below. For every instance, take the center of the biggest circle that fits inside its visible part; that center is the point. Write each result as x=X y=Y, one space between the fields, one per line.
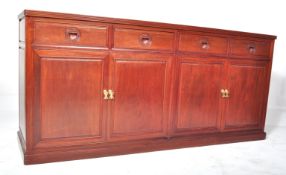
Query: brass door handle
x=111 y=94
x=105 y=93
x=224 y=93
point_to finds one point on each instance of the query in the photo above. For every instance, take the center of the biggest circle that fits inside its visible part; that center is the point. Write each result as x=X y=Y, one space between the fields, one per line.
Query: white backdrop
x=259 y=16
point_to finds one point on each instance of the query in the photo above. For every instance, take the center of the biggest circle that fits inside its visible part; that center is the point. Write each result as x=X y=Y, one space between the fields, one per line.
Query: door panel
x=71 y=97
x=141 y=84
x=247 y=83
x=198 y=97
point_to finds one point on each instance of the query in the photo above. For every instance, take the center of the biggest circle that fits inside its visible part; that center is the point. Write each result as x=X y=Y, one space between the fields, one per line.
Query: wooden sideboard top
x=56 y=15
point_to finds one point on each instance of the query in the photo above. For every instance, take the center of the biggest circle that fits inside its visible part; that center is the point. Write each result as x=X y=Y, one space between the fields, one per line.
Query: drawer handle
x=145 y=40
x=251 y=49
x=111 y=94
x=105 y=93
x=73 y=34
x=205 y=44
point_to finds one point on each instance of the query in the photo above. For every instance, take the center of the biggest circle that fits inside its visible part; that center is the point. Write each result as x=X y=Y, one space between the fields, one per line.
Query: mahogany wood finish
x=94 y=86
x=193 y=42
x=199 y=101
x=143 y=38
x=68 y=33
x=245 y=83
x=250 y=48
x=70 y=97
x=141 y=83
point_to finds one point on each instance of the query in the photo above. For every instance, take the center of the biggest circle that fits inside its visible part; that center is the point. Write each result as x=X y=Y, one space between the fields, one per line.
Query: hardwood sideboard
x=95 y=86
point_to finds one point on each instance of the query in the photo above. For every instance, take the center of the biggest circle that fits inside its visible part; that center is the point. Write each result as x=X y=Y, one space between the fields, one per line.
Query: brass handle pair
x=224 y=93
x=108 y=94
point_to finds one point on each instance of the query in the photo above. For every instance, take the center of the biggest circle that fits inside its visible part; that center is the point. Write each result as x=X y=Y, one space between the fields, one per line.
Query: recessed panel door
x=141 y=85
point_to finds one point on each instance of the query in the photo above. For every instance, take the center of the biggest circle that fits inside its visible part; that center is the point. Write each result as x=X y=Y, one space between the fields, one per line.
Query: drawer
x=143 y=39
x=192 y=42
x=88 y=35
x=249 y=48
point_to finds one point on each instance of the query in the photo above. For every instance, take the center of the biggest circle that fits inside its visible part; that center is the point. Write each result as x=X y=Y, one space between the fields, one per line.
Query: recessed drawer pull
x=145 y=40
x=205 y=44
x=251 y=49
x=72 y=34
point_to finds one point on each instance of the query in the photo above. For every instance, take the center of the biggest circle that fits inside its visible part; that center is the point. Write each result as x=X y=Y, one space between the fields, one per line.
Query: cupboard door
x=199 y=102
x=141 y=83
x=70 y=97
x=247 y=84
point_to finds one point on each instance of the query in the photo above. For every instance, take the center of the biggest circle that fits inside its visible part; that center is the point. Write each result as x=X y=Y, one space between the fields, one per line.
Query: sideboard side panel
x=22 y=59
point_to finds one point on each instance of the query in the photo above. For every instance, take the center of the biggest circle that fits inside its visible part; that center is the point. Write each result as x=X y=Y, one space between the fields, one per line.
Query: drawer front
x=202 y=43
x=143 y=39
x=70 y=34
x=249 y=48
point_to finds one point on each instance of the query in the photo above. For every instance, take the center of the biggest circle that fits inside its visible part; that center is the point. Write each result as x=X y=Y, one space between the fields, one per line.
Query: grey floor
x=256 y=157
